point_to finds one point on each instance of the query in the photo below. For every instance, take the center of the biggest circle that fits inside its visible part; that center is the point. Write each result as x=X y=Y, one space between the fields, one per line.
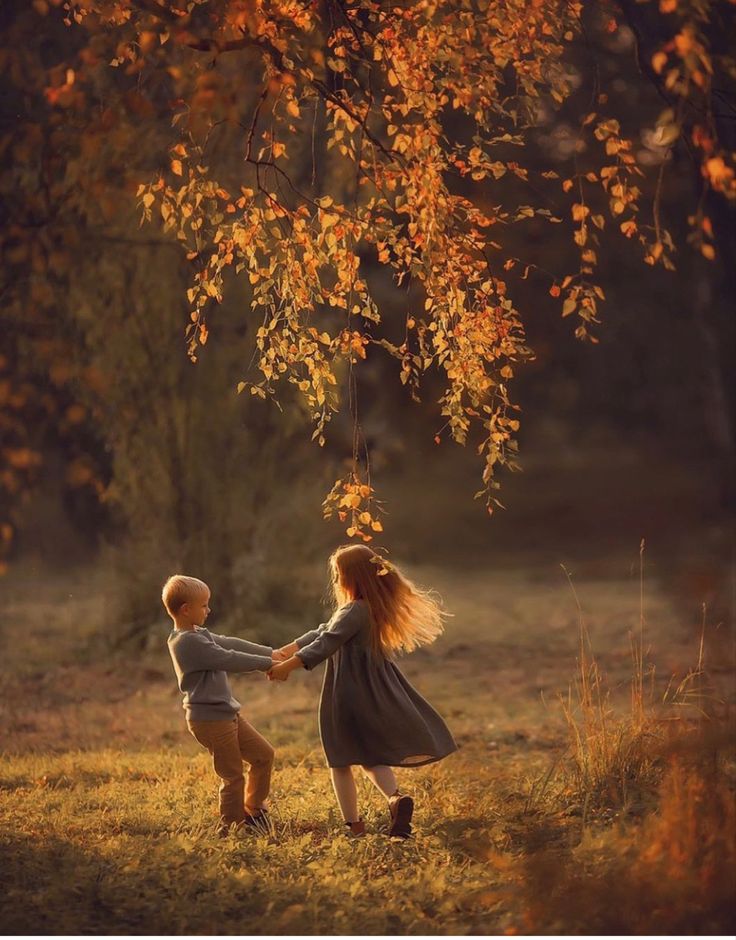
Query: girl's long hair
x=402 y=615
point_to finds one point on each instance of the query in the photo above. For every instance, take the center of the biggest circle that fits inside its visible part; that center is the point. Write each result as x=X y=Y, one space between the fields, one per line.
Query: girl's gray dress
x=368 y=712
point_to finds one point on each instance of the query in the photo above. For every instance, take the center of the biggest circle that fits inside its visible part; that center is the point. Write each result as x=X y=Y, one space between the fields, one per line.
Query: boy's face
x=196 y=611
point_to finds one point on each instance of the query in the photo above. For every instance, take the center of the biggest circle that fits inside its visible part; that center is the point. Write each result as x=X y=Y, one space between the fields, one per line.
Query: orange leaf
x=659 y=60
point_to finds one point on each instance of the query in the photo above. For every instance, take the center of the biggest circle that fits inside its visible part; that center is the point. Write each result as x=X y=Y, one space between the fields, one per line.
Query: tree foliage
x=308 y=146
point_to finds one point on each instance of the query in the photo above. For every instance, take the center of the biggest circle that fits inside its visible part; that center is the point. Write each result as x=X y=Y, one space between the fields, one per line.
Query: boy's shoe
x=257 y=822
x=401 y=809
x=355 y=830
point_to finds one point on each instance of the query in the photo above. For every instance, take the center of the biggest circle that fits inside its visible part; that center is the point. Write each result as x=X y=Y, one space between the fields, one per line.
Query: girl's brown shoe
x=401 y=809
x=355 y=830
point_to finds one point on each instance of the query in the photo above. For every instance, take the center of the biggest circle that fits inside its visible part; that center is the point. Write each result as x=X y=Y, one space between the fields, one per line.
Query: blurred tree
x=188 y=475
x=202 y=480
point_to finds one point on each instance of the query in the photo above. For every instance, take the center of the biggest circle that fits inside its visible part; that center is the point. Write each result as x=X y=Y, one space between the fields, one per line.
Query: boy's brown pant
x=230 y=743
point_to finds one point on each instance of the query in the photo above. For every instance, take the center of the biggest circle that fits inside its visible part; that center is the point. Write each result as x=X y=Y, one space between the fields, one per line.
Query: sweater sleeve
x=310 y=636
x=243 y=646
x=198 y=653
x=348 y=621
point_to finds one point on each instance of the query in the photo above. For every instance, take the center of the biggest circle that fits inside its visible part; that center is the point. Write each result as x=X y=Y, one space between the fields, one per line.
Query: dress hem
x=388 y=763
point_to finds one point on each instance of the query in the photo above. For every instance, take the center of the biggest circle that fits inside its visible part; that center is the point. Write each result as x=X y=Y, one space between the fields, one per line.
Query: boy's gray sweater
x=202 y=660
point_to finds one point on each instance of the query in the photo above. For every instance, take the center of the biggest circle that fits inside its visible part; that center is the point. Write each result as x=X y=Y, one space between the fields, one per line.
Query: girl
x=369 y=714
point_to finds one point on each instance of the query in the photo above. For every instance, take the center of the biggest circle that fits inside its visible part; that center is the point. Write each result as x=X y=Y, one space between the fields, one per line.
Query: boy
x=201 y=662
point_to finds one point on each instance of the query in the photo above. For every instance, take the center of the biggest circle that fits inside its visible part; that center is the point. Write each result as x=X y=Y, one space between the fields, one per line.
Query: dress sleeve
x=243 y=646
x=348 y=621
x=310 y=636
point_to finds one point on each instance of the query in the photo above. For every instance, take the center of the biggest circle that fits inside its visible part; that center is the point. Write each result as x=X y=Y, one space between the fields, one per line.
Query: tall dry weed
x=615 y=753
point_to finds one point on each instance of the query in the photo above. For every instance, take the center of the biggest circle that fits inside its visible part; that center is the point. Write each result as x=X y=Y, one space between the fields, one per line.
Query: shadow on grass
x=50 y=886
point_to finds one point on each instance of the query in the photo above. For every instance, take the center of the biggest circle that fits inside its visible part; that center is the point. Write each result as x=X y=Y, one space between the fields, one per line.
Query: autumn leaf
x=659 y=60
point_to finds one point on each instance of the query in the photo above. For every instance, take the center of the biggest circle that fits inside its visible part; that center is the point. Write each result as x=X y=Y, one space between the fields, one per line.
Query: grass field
x=107 y=805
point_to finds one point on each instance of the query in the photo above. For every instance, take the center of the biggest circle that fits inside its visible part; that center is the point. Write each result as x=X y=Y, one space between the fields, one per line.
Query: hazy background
x=139 y=463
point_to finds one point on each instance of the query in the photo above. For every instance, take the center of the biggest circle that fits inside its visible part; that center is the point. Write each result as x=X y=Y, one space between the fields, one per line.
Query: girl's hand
x=284 y=652
x=278 y=672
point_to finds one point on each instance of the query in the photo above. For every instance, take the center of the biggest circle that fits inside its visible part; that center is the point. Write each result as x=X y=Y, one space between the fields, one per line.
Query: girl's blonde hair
x=180 y=589
x=402 y=615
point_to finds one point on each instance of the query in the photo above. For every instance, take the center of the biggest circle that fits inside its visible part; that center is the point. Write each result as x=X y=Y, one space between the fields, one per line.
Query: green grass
x=108 y=806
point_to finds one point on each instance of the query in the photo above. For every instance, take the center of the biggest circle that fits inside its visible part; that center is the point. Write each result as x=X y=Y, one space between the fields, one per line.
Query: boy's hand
x=278 y=673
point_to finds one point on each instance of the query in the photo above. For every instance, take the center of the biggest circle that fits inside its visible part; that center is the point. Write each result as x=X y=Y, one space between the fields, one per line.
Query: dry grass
x=671 y=874
x=616 y=752
x=107 y=805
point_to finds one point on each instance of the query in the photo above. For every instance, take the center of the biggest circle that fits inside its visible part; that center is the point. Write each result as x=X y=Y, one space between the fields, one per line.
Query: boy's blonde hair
x=180 y=589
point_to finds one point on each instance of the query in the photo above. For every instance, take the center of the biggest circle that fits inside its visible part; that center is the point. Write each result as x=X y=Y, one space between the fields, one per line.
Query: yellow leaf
x=176 y=167
x=376 y=526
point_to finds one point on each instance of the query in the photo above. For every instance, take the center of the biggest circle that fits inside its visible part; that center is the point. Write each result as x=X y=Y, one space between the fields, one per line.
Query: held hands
x=284 y=652
x=279 y=672
x=283 y=661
